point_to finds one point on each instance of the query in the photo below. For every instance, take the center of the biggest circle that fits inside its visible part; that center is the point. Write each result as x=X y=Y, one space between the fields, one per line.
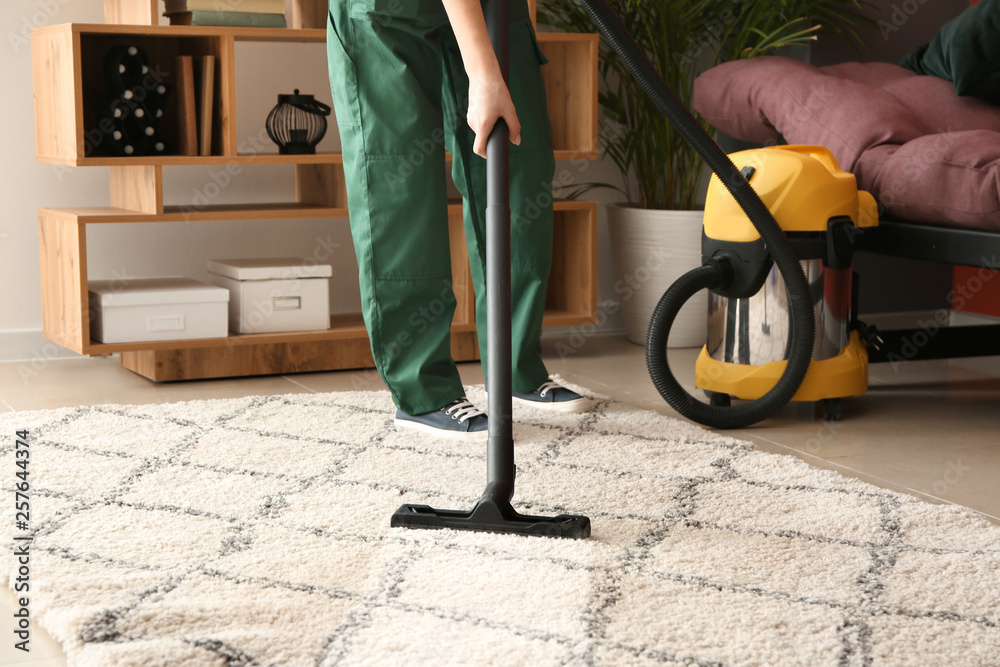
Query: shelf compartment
x=571 y=92
x=70 y=90
x=572 y=293
x=163 y=52
x=571 y=297
x=277 y=211
x=195 y=160
x=240 y=34
x=343 y=326
x=137 y=196
x=289 y=356
x=270 y=358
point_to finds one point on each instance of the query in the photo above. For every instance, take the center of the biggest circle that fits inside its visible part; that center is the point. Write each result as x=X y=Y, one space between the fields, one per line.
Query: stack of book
x=253 y=13
x=194 y=80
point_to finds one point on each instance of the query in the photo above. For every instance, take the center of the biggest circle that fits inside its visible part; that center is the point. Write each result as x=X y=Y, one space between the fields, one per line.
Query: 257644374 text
x=22 y=542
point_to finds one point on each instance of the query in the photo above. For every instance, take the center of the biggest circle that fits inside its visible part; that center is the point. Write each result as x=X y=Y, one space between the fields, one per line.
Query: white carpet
x=256 y=532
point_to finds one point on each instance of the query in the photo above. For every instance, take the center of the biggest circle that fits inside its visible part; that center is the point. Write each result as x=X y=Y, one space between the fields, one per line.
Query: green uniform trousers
x=400 y=95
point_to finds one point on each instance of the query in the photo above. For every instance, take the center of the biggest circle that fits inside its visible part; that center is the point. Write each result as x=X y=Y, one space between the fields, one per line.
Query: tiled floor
x=927 y=428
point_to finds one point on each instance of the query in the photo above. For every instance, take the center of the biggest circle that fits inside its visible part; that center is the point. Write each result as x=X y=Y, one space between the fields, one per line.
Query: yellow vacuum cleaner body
x=821 y=211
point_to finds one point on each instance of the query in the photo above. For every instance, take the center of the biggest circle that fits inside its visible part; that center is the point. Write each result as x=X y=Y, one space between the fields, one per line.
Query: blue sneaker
x=554 y=397
x=459 y=420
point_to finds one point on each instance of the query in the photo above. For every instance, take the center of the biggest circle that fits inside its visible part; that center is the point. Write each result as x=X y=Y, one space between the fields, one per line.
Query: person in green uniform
x=409 y=79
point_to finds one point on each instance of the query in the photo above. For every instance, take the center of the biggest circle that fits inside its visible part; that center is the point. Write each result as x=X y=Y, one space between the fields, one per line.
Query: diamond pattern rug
x=256 y=532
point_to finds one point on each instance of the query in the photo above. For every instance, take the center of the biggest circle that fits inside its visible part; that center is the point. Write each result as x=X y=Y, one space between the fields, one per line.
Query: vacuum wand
x=500 y=450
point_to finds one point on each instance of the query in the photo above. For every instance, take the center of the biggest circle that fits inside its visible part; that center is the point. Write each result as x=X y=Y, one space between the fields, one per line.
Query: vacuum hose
x=715 y=274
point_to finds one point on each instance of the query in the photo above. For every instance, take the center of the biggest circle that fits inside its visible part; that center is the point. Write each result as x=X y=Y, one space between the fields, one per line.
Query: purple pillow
x=928 y=155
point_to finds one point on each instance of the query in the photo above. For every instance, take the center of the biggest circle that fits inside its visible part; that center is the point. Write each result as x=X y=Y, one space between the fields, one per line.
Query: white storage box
x=274 y=294
x=147 y=309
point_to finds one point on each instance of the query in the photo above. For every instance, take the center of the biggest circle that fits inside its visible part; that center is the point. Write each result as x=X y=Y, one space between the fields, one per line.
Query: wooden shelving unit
x=66 y=63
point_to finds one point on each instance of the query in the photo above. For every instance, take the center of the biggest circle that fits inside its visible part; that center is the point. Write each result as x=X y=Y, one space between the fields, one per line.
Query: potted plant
x=656 y=233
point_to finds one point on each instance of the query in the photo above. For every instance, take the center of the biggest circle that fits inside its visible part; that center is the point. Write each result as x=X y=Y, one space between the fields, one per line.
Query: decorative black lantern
x=297 y=124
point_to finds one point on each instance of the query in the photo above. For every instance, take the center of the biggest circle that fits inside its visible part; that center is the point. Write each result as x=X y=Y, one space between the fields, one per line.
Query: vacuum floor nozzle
x=492 y=517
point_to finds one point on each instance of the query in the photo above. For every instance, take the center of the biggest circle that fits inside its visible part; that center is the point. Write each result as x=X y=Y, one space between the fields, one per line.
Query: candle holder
x=297 y=124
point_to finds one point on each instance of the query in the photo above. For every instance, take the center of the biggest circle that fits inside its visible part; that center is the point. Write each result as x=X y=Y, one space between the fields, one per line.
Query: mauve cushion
x=927 y=154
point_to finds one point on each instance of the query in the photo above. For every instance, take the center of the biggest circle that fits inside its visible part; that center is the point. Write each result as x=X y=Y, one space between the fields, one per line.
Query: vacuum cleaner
x=821 y=212
x=757 y=269
x=743 y=244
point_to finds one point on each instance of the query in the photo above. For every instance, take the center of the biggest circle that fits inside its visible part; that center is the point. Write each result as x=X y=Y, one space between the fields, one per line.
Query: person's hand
x=489 y=100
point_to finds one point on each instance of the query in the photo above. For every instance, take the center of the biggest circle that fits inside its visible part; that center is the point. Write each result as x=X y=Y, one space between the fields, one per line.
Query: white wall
x=25 y=184
x=263 y=71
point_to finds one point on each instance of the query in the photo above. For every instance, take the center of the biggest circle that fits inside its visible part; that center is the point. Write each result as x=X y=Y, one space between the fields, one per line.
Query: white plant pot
x=651 y=249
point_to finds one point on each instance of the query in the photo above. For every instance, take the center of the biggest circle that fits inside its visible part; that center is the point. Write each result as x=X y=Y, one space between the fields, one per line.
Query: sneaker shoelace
x=463 y=409
x=546 y=387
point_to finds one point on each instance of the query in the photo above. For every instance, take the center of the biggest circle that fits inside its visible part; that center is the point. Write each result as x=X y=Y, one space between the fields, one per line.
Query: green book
x=243 y=19
x=254 y=6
